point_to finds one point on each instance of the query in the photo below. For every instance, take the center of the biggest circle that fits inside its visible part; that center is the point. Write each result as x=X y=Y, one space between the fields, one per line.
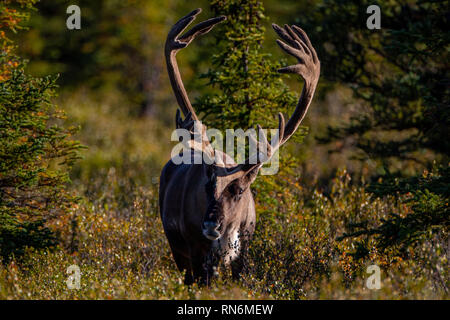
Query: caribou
x=207 y=209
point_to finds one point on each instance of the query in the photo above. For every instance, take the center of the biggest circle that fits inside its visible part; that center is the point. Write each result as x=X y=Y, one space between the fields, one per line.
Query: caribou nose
x=210 y=225
x=210 y=230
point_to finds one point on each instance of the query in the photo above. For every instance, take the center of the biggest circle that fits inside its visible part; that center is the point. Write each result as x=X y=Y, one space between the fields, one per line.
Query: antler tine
x=174 y=43
x=263 y=143
x=181 y=25
x=187 y=123
x=271 y=147
x=295 y=42
x=201 y=28
x=177 y=119
x=281 y=128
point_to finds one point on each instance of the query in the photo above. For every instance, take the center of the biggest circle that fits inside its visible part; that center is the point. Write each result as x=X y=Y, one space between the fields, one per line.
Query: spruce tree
x=249 y=90
x=399 y=76
x=36 y=153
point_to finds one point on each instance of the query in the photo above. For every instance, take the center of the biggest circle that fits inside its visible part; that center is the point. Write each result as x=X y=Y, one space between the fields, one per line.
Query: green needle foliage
x=36 y=155
x=427 y=199
x=399 y=74
x=250 y=90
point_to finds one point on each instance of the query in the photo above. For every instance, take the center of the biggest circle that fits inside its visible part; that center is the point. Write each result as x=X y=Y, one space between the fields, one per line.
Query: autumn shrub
x=298 y=252
x=122 y=252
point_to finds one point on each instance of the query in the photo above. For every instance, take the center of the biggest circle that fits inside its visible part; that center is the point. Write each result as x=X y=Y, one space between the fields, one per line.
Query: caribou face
x=227 y=197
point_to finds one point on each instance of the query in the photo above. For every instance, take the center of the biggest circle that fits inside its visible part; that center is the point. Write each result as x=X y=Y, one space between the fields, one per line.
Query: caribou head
x=208 y=208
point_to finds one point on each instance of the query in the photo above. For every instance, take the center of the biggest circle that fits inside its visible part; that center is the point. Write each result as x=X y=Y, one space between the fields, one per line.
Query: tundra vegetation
x=368 y=184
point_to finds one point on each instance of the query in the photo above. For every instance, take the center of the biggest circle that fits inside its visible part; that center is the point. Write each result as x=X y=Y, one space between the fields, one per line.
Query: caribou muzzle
x=211 y=230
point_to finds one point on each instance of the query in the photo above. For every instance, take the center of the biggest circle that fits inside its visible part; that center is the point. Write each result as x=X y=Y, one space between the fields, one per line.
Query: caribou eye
x=235 y=190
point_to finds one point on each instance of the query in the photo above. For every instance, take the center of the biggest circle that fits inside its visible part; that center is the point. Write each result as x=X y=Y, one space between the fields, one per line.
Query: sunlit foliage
x=36 y=153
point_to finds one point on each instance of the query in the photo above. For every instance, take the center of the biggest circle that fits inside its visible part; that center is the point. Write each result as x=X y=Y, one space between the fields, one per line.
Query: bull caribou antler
x=208 y=209
x=298 y=45
x=187 y=123
x=174 y=43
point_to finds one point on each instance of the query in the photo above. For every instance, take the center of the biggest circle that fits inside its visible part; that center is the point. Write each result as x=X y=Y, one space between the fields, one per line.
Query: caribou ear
x=249 y=176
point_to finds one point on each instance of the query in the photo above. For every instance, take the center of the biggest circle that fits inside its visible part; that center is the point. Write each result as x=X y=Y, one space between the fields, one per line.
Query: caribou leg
x=198 y=267
x=181 y=260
